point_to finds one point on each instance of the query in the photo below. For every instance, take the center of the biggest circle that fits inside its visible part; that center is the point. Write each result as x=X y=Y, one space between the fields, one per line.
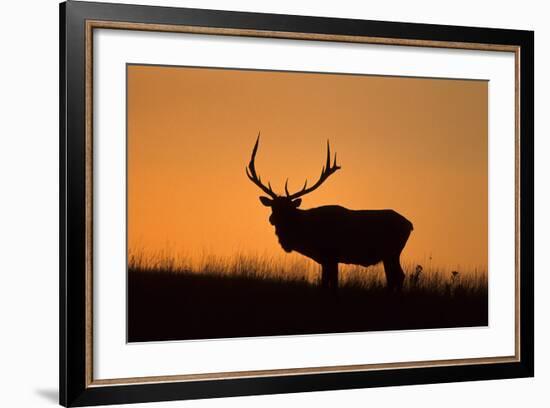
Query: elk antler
x=328 y=169
x=251 y=172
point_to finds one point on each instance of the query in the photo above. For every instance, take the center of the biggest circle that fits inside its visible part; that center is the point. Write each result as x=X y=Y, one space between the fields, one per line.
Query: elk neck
x=287 y=226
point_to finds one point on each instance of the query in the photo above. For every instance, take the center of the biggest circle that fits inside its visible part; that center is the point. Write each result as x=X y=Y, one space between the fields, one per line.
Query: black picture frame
x=76 y=388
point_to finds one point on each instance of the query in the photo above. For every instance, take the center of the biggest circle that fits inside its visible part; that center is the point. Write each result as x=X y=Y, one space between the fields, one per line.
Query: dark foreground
x=182 y=306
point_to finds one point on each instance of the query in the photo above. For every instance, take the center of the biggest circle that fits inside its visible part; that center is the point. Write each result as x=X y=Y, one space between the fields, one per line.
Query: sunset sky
x=418 y=146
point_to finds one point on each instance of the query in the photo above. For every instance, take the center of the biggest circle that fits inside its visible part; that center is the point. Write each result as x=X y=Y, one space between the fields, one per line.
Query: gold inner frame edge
x=92 y=24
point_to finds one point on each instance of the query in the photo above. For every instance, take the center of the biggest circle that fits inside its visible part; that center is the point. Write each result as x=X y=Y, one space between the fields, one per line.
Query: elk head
x=284 y=207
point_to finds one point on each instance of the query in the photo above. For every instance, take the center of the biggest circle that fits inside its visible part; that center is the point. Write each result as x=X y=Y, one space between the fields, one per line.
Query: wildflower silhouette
x=415 y=276
x=453 y=285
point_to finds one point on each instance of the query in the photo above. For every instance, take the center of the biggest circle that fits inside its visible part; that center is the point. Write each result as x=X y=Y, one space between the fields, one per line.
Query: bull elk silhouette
x=332 y=234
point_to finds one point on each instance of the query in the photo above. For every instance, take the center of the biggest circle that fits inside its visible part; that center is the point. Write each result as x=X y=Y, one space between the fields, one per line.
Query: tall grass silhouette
x=172 y=298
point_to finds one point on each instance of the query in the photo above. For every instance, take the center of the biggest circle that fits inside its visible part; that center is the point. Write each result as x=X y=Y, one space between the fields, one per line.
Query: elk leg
x=329 y=277
x=400 y=275
x=325 y=276
x=333 y=277
x=394 y=273
x=389 y=274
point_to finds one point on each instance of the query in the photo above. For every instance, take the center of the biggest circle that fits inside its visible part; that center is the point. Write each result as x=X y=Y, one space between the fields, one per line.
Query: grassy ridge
x=249 y=296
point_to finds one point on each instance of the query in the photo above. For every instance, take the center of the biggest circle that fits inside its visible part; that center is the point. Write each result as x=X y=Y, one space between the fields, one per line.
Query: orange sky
x=418 y=146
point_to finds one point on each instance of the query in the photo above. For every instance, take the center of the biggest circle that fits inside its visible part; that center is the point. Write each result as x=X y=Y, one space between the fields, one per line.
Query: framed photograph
x=255 y=203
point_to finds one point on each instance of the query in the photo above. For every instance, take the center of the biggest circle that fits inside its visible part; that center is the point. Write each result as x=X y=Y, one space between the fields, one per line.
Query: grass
x=246 y=296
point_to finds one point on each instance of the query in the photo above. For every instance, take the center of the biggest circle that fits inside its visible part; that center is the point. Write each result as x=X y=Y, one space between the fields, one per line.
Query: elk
x=332 y=234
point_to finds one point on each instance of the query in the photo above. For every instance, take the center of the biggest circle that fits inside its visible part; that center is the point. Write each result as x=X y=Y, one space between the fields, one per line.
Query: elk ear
x=266 y=201
x=297 y=202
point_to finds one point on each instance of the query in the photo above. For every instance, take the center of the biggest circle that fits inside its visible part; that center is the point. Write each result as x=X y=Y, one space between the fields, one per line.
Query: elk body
x=333 y=234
